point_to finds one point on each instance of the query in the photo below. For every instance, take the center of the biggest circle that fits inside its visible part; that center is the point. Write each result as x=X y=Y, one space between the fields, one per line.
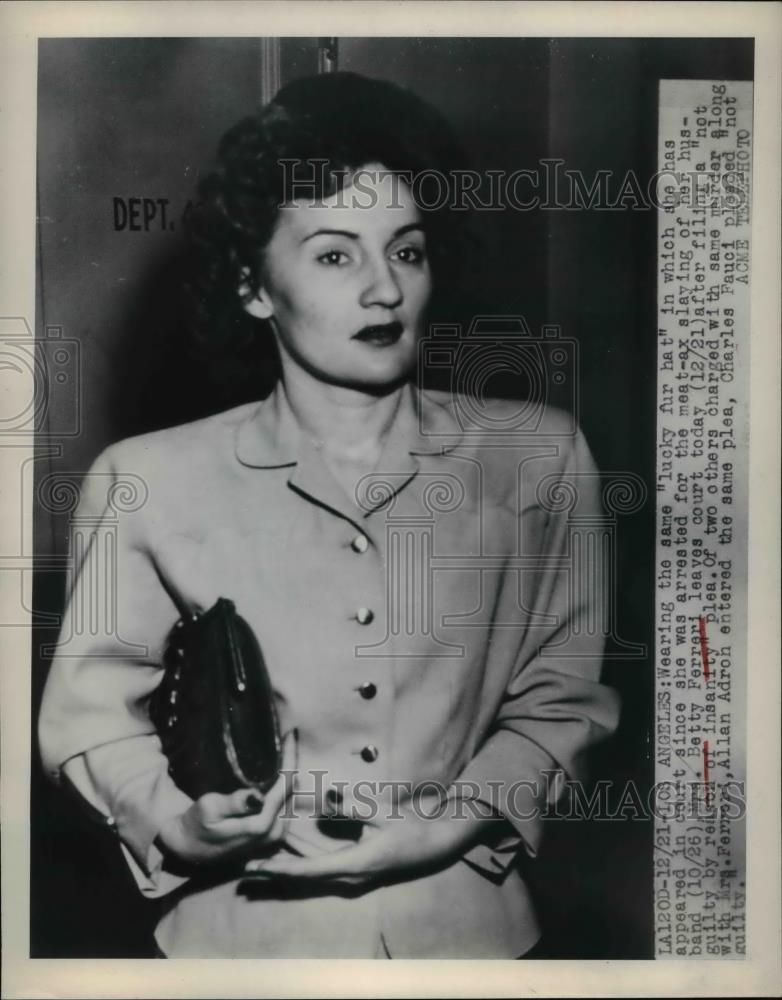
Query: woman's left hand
x=400 y=846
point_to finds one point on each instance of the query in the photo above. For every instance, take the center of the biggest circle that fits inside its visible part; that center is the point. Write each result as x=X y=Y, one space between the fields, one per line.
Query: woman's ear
x=257 y=304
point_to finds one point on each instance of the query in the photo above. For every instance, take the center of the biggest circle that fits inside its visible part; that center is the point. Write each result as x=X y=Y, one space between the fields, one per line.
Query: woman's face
x=346 y=281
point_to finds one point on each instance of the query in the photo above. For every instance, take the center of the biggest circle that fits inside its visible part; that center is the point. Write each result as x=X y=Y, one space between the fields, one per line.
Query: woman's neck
x=347 y=424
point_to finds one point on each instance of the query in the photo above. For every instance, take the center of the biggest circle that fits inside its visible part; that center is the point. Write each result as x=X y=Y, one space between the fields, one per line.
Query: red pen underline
x=704 y=646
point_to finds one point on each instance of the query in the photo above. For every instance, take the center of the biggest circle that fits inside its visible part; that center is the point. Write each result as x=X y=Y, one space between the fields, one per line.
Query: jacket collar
x=270 y=437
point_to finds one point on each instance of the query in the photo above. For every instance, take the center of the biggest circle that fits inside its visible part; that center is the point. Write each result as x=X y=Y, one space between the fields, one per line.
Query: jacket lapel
x=313 y=479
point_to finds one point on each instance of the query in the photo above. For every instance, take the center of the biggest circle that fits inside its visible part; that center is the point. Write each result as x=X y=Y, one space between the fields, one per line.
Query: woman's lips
x=381 y=335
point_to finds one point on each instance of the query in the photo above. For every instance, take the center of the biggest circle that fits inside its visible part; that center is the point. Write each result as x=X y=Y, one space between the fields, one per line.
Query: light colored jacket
x=483 y=649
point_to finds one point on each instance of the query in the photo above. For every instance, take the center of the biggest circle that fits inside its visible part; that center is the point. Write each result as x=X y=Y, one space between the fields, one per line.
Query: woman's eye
x=333 y=258
x=410 y=255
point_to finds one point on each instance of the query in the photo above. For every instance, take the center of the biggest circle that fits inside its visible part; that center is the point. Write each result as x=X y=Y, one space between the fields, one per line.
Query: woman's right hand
x=217 y=826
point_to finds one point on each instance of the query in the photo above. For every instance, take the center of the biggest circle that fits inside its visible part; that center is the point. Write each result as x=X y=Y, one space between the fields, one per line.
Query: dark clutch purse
x=214 y=708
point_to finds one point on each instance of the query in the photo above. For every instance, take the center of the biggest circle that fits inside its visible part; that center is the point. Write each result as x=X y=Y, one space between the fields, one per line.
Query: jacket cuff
x=495 y=858
x=128 y=783
x=141 y=812
x=517 y=779
x=153 y=879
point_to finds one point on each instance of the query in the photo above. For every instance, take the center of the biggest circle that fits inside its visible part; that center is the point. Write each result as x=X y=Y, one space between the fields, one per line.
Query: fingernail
x=253 y=804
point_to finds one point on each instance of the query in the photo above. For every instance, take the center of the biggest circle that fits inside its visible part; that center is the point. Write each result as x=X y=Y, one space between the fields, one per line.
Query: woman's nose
x=382 y=286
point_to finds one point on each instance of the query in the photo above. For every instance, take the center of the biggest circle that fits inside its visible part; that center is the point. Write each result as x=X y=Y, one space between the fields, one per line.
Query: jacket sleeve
x=127 y=784
x=94 y=732
x=554 y=708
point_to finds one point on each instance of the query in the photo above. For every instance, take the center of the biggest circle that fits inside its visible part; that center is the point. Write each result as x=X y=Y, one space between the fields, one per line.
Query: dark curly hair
x=346 y=121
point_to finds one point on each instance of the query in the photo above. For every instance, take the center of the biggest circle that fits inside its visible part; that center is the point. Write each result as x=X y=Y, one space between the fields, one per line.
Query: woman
x=401 y=565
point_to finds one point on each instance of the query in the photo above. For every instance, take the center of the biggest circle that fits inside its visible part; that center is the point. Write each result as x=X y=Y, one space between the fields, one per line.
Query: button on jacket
x=427 y=629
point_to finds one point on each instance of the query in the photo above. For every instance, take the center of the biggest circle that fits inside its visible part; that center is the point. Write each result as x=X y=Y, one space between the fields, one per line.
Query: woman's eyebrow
x=410 y=227
x=331 y=232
